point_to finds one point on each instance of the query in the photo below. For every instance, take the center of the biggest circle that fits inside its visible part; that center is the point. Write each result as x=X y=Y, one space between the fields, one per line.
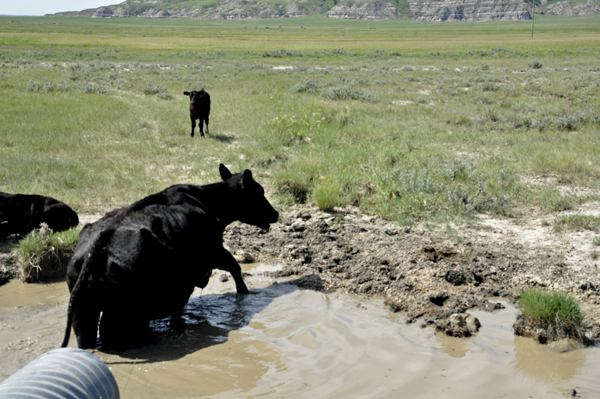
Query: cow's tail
x=83 y=276
x=93 y=256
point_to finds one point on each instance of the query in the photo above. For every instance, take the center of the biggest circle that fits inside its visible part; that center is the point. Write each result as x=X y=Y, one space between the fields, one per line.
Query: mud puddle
x=284 y=341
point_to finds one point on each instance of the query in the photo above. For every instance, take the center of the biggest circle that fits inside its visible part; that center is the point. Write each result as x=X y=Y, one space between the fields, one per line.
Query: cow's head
x=251 y=205
x=195 y=95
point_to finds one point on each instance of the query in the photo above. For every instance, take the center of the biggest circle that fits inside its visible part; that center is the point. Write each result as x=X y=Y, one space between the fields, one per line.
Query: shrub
x=34 y=86
x=346 y=93
x=535 y=65
x=164 y=96
x=151 y=89
x=43 y=254
x=306 y=86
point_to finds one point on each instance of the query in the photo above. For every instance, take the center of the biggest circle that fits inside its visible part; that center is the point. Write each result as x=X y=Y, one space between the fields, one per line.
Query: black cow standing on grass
x=142 y=262
x=21 y=213
x=199 y=109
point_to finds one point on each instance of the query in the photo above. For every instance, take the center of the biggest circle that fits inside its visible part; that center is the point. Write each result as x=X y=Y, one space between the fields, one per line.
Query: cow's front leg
x=206 y=121
x=228 y=263
x=193 y=126
x=200 y=125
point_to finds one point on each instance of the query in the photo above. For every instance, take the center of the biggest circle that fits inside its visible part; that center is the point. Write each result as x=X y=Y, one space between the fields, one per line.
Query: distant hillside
x=418 y=10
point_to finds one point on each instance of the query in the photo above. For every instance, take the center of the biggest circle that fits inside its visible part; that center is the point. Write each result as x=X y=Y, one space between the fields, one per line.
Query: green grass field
x=410 y=121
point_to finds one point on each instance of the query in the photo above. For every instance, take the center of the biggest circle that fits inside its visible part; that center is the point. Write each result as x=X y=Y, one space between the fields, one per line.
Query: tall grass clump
x=43 y=255
x=327 y=193
x=549 y=316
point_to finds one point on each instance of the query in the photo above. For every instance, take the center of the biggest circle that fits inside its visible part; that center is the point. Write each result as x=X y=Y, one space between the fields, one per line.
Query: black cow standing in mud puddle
x=199 y=109
x=142 y=262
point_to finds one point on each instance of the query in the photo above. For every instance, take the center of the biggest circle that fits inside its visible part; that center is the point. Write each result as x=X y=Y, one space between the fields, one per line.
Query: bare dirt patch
x=429 y=275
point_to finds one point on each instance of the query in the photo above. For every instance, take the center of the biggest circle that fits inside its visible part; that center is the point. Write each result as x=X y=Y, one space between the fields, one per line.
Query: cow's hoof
x=242 y=289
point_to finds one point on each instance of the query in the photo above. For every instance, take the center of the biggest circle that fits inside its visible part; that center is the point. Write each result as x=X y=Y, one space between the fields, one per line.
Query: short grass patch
x=43 y=255
x=557 y=314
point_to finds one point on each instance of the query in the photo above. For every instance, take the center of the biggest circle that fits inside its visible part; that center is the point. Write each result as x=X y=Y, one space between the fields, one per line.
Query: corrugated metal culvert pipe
x=65 y=373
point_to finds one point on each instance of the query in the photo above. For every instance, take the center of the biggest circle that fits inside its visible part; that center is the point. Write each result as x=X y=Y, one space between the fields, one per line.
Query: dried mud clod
x=459 y=325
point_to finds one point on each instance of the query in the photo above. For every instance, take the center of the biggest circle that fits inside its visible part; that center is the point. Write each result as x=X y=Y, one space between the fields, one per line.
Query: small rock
x=473 y=324
x=460 y=325
x=390 y=230
x=455 y=277
x=587 y=286
x=491 y=306
x=304 y=215
x=224 y=278
x=536 y=281
x=298 y=225
x=242 y=256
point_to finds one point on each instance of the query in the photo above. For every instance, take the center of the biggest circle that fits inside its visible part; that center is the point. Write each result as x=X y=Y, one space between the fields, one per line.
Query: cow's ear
x=186 y=93
x=246 y=178
x=225 y=173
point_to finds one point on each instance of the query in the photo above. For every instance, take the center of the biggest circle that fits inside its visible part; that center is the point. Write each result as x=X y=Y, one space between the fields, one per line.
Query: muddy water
x=282 y=341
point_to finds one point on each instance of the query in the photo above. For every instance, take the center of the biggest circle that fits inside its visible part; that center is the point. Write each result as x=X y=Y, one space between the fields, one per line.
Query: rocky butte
x=468 y=10
x=417 y=10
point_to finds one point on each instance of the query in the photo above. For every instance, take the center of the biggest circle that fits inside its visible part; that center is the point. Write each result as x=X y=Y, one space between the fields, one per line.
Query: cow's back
x=148 y=255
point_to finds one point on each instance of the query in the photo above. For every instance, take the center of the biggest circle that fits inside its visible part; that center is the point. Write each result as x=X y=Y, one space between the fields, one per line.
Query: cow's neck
x=219 y=201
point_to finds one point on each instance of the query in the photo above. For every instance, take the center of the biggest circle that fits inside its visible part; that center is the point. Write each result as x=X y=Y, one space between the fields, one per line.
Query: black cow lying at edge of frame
x=21 y=213
x=142 y=262
x=199 y=109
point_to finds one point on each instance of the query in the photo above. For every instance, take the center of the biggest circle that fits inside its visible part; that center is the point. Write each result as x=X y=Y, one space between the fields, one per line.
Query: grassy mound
x=549 y=316
x=43 y=254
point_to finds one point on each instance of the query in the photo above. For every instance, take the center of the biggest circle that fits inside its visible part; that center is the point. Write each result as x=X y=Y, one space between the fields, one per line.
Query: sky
x=41 y=7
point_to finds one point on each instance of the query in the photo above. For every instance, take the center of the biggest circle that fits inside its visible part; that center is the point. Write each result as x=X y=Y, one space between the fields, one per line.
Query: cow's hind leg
x=85 y=326
x=119 y=331
x=228 y=263
x=206 y=121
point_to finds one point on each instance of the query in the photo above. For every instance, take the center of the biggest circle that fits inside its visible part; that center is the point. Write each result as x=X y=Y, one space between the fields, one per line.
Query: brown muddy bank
x=428 y=275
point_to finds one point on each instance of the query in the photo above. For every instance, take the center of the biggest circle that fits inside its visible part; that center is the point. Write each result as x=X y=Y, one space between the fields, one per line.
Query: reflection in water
x=538 y=363
x=205 y=321
x=454 y=347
